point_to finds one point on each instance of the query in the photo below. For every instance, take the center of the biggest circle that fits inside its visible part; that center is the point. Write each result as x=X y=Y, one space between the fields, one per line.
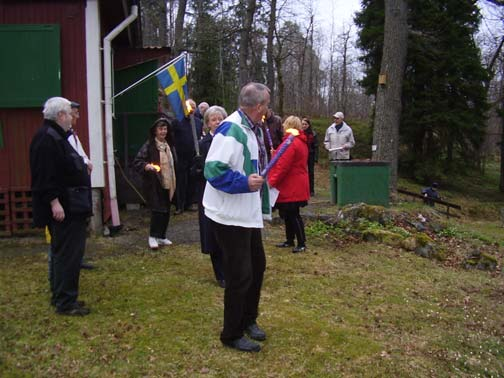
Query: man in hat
x=75 y=142
x=339 y=138
x=431 y=193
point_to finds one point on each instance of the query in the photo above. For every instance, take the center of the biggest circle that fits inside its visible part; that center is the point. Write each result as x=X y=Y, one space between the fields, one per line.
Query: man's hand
x=89 y=168
x=57 y=210
x=255 y=182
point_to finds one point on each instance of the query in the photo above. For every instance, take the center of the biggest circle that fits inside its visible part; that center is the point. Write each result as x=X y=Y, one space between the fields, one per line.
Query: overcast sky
x=341 y=11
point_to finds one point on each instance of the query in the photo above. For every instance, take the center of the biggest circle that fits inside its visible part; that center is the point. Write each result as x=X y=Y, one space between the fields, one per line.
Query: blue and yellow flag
x=173 y=80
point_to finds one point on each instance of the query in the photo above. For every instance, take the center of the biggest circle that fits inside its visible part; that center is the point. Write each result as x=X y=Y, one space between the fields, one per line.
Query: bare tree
x=345 y=38
x=388 y=97
x=270 y=66
x=245 y=37
x=301 y=67
x=179 y=26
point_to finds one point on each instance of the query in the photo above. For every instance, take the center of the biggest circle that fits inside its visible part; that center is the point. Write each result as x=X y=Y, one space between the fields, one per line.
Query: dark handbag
x=79 y=200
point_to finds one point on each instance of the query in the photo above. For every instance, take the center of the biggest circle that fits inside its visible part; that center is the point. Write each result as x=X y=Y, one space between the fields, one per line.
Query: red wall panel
x=19 y=125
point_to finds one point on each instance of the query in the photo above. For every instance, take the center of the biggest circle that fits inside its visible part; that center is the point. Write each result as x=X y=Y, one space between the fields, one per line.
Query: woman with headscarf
x=155 y=162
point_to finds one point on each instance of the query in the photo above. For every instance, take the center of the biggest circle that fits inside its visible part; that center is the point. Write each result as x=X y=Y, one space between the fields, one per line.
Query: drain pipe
x=109 y=138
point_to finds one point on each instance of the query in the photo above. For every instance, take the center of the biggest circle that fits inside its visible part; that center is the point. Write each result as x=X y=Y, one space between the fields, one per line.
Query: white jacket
x=335 y=139
x=232 y=157
x=74 y=141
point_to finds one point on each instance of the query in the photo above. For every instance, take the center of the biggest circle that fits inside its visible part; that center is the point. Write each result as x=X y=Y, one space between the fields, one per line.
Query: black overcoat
x=158 y=198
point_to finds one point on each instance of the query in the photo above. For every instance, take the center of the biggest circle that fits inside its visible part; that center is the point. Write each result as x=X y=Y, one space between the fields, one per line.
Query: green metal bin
x=359 y=181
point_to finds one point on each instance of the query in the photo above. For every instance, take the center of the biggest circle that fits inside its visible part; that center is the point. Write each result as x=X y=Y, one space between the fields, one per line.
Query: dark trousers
x=311 y=172
x=159 y=223
x=184 y=193
x=294 y=225
x=68 y=242
x=244 y=265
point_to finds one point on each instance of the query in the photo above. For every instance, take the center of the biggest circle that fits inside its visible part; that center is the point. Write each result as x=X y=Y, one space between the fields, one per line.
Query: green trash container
x=359 y=181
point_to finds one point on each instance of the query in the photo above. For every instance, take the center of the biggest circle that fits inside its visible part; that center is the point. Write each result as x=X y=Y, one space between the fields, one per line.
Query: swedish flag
x=173 y=80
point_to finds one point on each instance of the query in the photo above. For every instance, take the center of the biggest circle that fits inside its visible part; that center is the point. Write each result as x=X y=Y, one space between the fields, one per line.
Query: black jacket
x=157 y=197
x=55 y=167
x=184 y=142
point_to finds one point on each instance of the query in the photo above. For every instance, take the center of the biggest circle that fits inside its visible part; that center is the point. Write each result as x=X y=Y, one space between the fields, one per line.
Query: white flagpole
x=140 y=81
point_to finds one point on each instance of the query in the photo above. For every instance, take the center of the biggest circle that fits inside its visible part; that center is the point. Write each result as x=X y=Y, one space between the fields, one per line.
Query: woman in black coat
x=155 y=162
x=212 y=118
x=312 y=141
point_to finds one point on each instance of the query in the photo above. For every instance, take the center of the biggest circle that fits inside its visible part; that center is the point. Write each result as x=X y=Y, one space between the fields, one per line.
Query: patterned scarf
x=167 y=168
x=255 y=127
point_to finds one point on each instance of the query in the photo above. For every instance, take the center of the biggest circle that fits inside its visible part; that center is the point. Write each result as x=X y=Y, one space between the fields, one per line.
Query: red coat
x=290 y=173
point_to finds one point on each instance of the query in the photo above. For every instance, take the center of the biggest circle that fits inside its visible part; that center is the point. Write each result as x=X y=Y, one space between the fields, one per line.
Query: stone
x=481 y=261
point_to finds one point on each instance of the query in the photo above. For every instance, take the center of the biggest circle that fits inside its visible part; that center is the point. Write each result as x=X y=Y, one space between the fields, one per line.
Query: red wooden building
x=53 y=48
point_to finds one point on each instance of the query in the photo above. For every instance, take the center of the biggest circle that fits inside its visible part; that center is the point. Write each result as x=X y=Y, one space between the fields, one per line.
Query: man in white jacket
x=74 y=141
x=339 y=138
x=235 y=206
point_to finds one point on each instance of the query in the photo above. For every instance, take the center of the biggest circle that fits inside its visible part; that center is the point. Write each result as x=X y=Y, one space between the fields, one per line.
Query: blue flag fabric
x=173 y=80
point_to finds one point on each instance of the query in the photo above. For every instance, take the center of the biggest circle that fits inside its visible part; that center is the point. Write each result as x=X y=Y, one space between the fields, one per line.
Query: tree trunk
x=154 y=18
x=501 y=181
x=346 y=38
x=245 y=36
x=388 y=97
x=179 y=27
x=281 y=86
x=311 y=95
x=270 y=75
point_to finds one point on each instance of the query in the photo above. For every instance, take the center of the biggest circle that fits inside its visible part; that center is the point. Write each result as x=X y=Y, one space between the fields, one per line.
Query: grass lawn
x=339 y=310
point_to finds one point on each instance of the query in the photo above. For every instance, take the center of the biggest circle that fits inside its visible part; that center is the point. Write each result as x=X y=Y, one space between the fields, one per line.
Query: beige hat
x=339 y=115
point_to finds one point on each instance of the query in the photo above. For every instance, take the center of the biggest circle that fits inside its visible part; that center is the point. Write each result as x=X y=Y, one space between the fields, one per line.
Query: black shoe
x=222 y=283
x=255 y=332
x=243 y=344
x=80 y=303
x=285 y=244
x=74 y=310
x=87 y=266
x=298 y=249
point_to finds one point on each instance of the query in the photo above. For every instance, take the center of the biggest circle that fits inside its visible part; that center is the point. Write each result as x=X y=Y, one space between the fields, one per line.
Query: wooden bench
x=441 y=202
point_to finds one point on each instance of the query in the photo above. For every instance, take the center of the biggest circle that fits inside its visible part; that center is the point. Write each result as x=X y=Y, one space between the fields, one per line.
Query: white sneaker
x=164 y=241
x=153 y=244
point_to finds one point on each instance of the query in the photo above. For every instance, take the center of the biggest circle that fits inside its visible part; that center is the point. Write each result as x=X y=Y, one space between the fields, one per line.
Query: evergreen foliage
x=213 y=42
x=444 y=97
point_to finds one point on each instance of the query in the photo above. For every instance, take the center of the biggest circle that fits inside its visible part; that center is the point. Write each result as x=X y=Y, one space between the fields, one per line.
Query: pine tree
x=213 y=75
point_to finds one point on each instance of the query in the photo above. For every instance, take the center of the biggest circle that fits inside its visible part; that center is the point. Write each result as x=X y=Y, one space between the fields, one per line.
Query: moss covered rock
x=428 y=248
x=409 y=243
x=481 y=261
x=352 y=213
x=382 y=236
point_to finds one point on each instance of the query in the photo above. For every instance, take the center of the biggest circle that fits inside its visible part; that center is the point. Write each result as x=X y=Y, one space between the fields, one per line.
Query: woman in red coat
x=290 y=177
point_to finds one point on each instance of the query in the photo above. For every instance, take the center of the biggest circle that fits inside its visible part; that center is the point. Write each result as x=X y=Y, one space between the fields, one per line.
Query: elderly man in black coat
x=61 y=198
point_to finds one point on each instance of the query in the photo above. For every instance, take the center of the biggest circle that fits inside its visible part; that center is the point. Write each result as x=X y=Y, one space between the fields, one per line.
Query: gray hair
x=215 y=110
x=253 y=94
x=54 y=105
